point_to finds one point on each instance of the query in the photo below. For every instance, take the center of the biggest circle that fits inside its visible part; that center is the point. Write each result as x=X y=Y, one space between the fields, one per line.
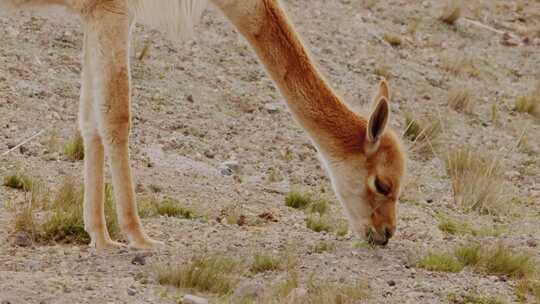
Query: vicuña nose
x=388 y=233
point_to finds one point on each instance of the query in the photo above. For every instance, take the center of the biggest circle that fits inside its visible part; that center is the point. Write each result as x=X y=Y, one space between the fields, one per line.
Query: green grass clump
x=469 y=254
x=318 y=223
x=504 y=261
x=322 y=246
x=455 y=227
x=171 y=208
x=444 y=262
x=499 y=260
x=151 y=206
x=74 y=148
x=18 y=181
x=214 y=274
x=63 y=221
x=319 y=206
x=298 y=200
x=66 y=222
x=262 y=263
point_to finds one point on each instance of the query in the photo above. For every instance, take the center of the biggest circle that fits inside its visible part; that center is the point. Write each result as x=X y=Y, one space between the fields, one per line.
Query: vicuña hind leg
x=94 y=216
x=108 y=34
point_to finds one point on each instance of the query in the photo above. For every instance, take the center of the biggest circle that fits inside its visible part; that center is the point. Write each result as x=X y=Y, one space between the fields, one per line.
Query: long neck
x=328 y=121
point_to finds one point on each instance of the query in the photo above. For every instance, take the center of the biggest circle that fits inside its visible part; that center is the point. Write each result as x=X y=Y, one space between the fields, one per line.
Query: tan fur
x=356 y=151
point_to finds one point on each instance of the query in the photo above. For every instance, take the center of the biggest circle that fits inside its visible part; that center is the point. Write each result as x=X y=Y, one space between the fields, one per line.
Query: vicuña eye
x=381 y=187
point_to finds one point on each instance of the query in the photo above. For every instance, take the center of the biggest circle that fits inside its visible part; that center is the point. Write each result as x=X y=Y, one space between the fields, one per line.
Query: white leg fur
x=108 y=33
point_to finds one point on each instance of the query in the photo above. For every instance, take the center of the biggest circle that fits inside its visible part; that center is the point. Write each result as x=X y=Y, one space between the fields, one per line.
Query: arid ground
x=202 y=105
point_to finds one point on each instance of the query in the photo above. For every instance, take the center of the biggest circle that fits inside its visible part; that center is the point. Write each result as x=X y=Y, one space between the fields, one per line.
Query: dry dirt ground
x=207 y=101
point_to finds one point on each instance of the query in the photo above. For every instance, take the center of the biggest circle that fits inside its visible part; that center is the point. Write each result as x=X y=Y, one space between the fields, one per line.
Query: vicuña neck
x=328 y=121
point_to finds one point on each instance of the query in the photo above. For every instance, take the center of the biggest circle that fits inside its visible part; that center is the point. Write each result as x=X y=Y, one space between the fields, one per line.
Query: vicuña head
x=366 y=176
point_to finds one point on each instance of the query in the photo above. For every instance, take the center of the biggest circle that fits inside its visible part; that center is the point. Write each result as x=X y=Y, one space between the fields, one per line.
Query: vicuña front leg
x=94 y=215
x=108 y=34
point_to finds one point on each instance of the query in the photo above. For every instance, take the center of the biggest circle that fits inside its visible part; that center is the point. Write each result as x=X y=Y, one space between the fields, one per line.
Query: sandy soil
x=207 y=101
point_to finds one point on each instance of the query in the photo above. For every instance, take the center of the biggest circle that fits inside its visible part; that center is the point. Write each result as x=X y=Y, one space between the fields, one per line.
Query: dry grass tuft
x=392 y=39
x=422 y=132
x=298 y=200
x=318 y=223
x=499 y=260
x=529 y=103
x=472 y=298
x=455 y=227
x=74 y=148
x=477 y=182
x=263 y=263
x=322 y=246
x=451 y=12
x=63 y=216
x=214 y=274
x=457 y=63
x=460 y=98
x=19 y=181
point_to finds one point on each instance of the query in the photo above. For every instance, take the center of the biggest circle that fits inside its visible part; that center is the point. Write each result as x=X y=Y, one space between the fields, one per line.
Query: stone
x=272 y=108
x=191 y=299
x=131 y=291
x=228 y=168
x=139 y=259
x=23 y=239
x=391 y=283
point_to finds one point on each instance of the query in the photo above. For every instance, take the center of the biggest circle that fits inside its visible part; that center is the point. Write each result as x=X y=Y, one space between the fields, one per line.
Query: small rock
x=131 y=291
x=249 y=291
x=228 y=168
x=190 y=98
x=5 y=302
x=23 y=239
x=209 y=154
x=391 y=283
x=272 y=107
x=532 y=243
x=191 y=299
x=139 y=259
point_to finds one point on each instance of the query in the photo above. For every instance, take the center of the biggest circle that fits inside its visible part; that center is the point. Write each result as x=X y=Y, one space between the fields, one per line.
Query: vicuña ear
x=384 y=90
x=378 y=120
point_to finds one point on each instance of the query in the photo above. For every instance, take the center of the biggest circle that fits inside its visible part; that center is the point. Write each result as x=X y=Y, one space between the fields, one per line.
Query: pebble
x=191 y=299
x=131 y=291
x=532 y=243
x=23 y=239
x=228 y=168
x=391 y=283
x=272 y=108
x=139 y=259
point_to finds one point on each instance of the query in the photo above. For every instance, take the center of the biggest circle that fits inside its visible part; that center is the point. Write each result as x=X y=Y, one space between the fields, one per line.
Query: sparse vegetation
x=262 y=263
x=498 y=260
x=298 y=200
x=458 y=64
x=322 y=246
x=392 y=39
x=528 y=104
x=453 y=226
x=472 y=298
x=214 y=274
x=459 y=98
x=318 y=223
x=451 y=12
x=18 y=181
x=63 y=221
x=477 y=181
x=422 y=130
x=74 y=148
x=441 y=261
x=319 y=206
x=151 y=206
